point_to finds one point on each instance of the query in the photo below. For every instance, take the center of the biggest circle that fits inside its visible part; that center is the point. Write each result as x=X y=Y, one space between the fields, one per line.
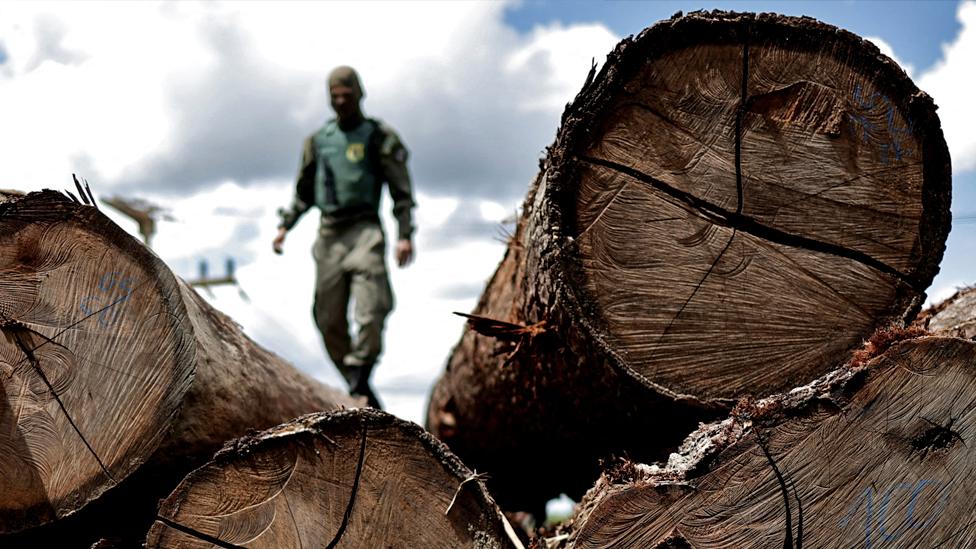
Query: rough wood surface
x=956 y=316
x=108 y=361
x=731 y=205
x=359 y=478
x=877 y=456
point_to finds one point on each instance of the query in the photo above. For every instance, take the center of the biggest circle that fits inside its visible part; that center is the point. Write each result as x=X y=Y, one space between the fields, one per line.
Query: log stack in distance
x=732 y=204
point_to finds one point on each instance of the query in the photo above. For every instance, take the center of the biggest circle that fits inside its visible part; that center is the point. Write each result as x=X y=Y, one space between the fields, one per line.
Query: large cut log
x=358 y=478
x=730 y=206
x=111 y=365
x=880 y=455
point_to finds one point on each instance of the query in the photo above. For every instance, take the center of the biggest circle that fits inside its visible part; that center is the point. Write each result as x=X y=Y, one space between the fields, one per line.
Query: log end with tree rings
x=741 y=199
x=871 y=456
x=733 y=203
x=357 y=478
x=95 y=358
x=112 y=366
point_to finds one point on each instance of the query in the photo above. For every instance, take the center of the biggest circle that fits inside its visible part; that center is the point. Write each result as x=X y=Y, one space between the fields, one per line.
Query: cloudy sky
x=202 y=108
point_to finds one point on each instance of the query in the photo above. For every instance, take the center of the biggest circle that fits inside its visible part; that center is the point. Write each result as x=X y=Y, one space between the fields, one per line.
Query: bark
x=730 y=207
x=115 y=372
x=956 y=316
x=874 y=456
x=358 y=478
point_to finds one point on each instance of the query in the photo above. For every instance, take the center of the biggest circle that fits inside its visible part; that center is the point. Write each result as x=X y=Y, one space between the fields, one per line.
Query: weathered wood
x=111 y=365
x=731 y=205
x=875 y=456
x=956 y=316
x=358 y=478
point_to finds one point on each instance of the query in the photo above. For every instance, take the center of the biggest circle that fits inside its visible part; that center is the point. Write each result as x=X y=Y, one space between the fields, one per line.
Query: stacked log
x=731 y=206
x=358 y=478
x=868 y=456
x=117 y=377
x=955 y=316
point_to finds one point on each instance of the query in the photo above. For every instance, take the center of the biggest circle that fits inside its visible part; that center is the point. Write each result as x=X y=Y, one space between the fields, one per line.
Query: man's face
x=344 y=102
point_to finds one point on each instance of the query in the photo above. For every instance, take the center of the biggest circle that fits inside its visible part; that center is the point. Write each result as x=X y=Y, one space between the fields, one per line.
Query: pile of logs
x=119 y=380
x=731 y=237
x=731 y=208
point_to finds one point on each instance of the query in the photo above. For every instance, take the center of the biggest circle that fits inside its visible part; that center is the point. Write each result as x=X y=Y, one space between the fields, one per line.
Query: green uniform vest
x=348 y=180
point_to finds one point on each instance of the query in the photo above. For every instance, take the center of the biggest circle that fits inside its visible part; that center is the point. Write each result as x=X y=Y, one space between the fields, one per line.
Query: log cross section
x=731 y=206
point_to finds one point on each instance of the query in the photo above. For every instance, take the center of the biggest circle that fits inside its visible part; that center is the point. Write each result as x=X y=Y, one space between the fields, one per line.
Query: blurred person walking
x=343 y=168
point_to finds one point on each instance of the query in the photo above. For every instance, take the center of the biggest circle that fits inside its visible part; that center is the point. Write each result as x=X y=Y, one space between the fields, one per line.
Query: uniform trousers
x=350 y=263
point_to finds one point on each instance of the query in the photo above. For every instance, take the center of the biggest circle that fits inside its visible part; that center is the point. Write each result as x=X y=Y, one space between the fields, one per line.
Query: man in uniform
x=343 y=168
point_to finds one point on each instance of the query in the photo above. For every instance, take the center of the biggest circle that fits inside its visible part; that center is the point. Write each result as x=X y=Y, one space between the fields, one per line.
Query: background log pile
x=731 y=237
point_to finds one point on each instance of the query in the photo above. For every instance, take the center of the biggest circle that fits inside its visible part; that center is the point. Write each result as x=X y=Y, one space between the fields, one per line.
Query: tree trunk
x=358 y=478
x=112 y=366
x=871 y=456
x=731 y=205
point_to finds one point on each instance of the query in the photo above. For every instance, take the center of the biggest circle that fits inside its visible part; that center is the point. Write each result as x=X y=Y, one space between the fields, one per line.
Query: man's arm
x=393 y=159
x=304 y=196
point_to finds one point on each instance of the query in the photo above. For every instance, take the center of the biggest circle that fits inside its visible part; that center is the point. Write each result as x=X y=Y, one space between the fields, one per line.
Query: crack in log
x=738 y=122
x=36 y=364
x=121 y=299
x=788 y=541
x=698 y=287
x=53 y=339
x=29 y=356
x=725 y=218
x=955 y=533
x=355 y=490
x=291 y=514
x=198 y=534
x=799 y=516
x=47 y=340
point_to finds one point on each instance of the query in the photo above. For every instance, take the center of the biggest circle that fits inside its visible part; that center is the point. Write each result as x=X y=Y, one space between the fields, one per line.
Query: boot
x=363 y=389
x=358 y=378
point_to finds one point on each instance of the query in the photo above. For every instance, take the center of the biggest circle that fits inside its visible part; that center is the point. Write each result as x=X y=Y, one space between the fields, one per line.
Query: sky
x=202 y=108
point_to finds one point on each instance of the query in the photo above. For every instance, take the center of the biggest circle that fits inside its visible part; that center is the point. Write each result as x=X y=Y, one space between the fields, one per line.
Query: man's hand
x=404 y=252
x=279 y=241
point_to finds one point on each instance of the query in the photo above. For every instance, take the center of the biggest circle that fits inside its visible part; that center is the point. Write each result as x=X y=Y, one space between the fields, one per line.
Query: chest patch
x=355 y=152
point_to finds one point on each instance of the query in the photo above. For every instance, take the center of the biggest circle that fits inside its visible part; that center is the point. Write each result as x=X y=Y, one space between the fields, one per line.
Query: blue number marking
x=871 y=518
x=85 y=301
x=108 y=308
x=882 y=511
x=862 y=127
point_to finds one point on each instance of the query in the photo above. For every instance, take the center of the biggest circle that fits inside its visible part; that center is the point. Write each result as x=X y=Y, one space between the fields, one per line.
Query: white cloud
x=941 y=292
x=556 y=51
x=951 y=83
x=178 y=96
x=493 y=211
x=201 y=107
